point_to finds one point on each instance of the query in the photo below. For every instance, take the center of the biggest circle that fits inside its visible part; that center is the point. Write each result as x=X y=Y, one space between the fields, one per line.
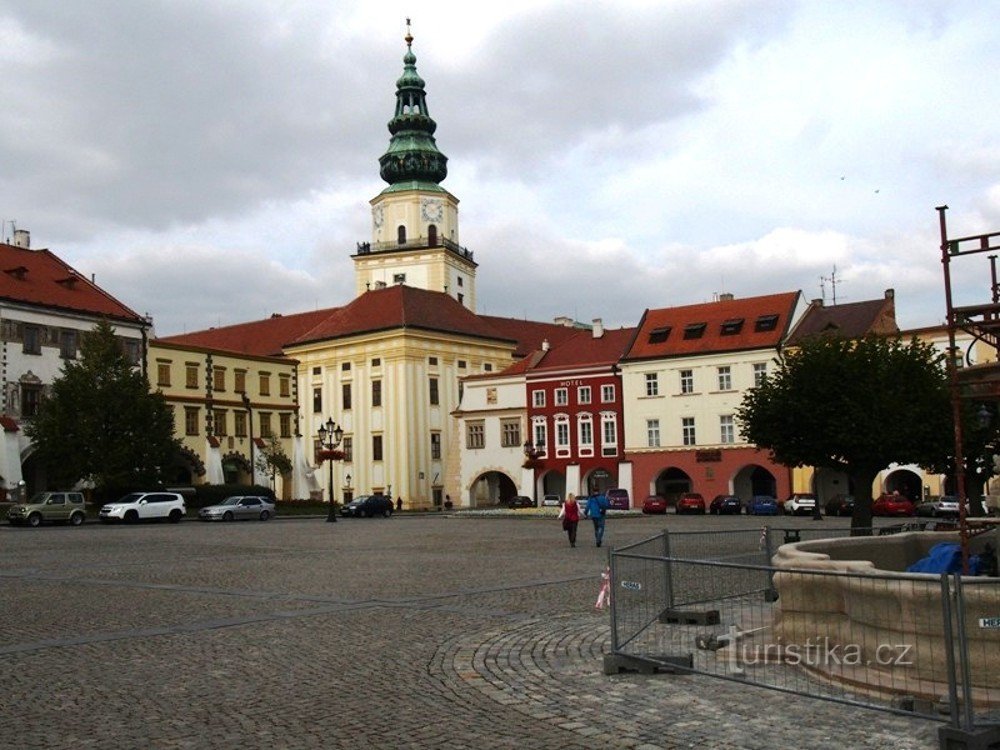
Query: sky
x=210 y=162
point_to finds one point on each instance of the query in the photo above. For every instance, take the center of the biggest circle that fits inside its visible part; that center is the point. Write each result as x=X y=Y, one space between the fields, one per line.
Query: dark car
x=691 y=502
x=840 y=505
x=725 y=504
x=892 y=505
x=762 y=505
x=367 y=506
x=520 y=501
x=654 y=504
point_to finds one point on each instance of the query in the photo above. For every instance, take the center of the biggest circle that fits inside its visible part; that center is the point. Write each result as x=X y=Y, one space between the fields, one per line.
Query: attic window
x=18 y=273
x=732 y=326
x=766 y=323
x=659 y=335
x=694 y=330
x=69 y=282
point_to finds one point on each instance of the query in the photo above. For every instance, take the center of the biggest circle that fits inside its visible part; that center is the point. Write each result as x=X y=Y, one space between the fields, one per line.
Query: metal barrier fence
x=712 y=604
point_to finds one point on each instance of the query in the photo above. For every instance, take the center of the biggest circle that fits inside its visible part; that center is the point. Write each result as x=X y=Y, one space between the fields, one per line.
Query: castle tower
x=415 y=220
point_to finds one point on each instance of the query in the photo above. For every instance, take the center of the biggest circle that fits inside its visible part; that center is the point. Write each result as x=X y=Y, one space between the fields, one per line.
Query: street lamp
x=246 y=405
x=532 y=452
x=347 y=482
x=330 y=436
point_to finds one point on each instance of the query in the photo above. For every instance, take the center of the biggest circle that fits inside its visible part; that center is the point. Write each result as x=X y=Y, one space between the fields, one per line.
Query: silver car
x=239 y=508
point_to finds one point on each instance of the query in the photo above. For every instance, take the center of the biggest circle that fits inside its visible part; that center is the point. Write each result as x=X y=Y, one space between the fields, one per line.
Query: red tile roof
x=37 y=277
x=583 y=350
x=852 y=320
x=662 y=332
x=261 y=338
x=530 y=334
x=402 y=306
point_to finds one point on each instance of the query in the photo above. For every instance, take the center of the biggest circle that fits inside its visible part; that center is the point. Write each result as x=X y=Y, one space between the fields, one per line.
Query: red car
x=654 y=504
x=691 y=502
x=892 y=505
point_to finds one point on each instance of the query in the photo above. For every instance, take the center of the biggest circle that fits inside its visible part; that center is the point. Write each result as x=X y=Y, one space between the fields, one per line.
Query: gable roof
x=851 y=321
x=401 y=306
x=38 y=277
x=258 y=338
x=721 y=326
x=529 y=334
x=585 y=350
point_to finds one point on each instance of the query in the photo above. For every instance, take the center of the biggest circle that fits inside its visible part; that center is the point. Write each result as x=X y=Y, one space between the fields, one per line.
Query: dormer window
x=766 y=323
x=732 y=326
x=69 y=282
x=18 y=273
x=659 y=335
x=694 y=330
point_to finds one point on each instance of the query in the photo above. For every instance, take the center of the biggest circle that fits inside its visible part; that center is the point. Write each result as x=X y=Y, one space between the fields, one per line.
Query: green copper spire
x=413 y=159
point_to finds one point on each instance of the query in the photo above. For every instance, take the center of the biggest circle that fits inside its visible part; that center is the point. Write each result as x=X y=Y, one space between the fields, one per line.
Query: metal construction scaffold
x=979 y=381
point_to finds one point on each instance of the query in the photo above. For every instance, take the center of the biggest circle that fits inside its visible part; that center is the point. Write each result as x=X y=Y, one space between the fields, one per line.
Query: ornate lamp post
x=330 y=436
x=532 y=454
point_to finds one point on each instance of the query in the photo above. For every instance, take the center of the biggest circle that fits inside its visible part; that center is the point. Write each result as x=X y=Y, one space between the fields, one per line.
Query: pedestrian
x=597 y=507
x=570 y=515
x=399 y=503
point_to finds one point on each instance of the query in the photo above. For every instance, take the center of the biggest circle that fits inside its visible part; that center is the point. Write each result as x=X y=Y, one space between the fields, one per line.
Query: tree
x=101 y=423
x=856 y=407
x=272 y=459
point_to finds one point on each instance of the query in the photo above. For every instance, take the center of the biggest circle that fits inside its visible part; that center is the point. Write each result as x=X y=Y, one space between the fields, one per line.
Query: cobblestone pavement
x=424 y=632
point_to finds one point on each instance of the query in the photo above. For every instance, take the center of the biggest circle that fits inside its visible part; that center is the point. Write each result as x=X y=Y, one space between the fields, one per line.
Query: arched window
x=401 y=234
x=432 y=235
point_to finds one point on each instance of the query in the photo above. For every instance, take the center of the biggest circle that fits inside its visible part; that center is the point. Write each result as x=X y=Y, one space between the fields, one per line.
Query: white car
x=145 y=506
x=800 y=503
x=551 y=501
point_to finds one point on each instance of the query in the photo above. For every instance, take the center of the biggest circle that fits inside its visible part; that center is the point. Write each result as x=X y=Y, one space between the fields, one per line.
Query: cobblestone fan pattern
x=428 y=632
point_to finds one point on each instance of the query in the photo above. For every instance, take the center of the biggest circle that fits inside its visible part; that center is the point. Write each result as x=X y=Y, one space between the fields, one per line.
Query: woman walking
x=570 y=515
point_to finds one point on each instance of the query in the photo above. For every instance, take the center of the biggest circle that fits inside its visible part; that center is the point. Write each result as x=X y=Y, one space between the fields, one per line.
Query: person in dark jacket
x=597 y=508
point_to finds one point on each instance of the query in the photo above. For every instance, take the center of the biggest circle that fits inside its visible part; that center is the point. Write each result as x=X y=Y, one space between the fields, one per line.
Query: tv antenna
x=833 y=281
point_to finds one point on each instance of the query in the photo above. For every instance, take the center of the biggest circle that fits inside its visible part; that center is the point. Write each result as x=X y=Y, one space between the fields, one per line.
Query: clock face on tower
x=377 y=217
x=431 y=210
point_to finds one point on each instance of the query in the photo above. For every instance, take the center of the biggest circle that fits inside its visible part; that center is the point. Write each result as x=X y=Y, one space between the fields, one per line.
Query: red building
x=575 y=419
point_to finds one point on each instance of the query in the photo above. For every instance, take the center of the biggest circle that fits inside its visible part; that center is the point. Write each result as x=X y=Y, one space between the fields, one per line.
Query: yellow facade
x=220 y=403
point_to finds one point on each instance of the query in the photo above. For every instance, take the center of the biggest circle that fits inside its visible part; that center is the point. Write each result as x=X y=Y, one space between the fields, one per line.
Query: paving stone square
x=431 y=631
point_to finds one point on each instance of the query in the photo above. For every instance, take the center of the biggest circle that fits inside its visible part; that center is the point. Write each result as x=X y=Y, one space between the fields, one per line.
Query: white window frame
x=609 y=435
x=688 y=434
x=759 y=373
x=585 y=442
x=561 y=428
x=561 y=396
x=687 y=381
x=583 y=394
x=539 y=429
x=608 y=393
x=538 y=399
x=725 y=374
x=652 y=384
x=727 y=429
x=653 y=433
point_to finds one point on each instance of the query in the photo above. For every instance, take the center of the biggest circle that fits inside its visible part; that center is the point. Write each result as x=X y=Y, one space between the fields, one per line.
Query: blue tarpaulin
x=943 y=558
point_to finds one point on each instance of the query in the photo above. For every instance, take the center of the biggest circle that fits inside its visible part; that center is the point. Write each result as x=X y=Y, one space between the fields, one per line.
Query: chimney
x=545 y=345
x=563 y=320
x=22 y=238
x=890 y=294
x=726 y=297
x=818 y=302
x=598 y=328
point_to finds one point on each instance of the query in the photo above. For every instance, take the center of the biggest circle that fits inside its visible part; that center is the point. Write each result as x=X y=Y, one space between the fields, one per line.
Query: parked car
x=654 y=504
x=799 y=504
x=840 y=505
x=49 y=507
x=618 y=499
x=762 y=505
x=690 y=502
x=725 y=504
x=551 y=501
x=520 y=501
x=145 y=506
x=892 y=505
x=367 y=506
x=239 y=508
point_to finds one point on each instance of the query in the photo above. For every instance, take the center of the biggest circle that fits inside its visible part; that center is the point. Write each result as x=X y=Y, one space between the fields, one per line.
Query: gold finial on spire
x=409 y=36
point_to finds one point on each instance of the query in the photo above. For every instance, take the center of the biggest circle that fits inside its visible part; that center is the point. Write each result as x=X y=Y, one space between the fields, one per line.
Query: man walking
x=597 y=507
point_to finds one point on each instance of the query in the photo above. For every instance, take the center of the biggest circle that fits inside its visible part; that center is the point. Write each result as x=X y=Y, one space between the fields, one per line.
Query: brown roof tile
x=852 y=320
x=38 y=277
x=753 y=323
x=263 y=338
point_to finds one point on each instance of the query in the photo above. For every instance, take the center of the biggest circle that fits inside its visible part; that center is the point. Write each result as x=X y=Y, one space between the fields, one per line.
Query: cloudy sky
x=211 y=161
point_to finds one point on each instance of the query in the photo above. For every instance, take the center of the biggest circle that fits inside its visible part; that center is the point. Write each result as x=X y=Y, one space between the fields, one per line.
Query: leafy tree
x=101 y=422
x=856 y=407
x=272 y=459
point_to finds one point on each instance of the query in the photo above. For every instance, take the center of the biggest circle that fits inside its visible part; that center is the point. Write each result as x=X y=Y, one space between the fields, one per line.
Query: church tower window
x=401 y=235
